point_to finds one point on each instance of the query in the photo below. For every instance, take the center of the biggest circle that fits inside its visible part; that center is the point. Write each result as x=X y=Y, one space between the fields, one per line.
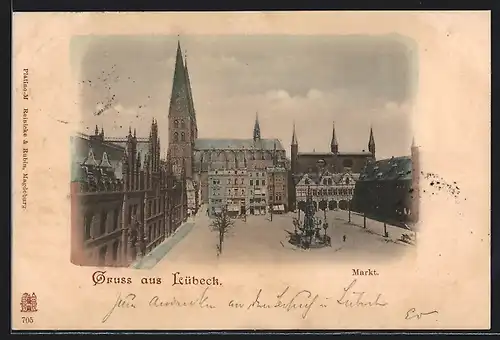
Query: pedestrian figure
x=344 y=238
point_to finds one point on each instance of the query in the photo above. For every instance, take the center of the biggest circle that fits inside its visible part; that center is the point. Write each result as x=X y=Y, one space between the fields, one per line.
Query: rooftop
x=395 y=168
x=238 y=144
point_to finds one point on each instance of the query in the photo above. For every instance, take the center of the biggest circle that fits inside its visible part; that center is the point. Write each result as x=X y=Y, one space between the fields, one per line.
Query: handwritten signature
x=413 y=314
x=126 y=302
x=351 y=298
x=287 y=300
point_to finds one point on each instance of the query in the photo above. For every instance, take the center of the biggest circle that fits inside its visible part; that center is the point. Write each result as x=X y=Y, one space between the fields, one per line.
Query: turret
x=294 y=150
x=334 y=145
x=371 y=144
x=256 y=128
x=125 y=171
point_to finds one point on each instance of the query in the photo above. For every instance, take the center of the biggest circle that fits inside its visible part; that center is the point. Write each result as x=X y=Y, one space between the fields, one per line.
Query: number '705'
x=27 y=319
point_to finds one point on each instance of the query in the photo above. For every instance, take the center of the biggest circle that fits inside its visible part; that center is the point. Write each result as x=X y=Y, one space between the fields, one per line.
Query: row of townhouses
x=248 y=191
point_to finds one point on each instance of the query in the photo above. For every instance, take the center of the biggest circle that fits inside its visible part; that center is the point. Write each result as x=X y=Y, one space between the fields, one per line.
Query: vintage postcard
x=232 y=171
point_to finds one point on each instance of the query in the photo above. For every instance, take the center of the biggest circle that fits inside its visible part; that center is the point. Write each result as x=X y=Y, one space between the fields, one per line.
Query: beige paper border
x=448 y=273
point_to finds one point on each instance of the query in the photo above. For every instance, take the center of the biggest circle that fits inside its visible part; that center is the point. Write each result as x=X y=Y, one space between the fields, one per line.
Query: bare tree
x=221 y=224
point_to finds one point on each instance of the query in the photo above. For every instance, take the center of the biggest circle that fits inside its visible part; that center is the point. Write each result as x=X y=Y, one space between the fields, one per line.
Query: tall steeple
x=179 y=101
x=192 y=111
x=256 y=128
x=182 y=123
x=294 y=136
x=371 y=143
x=334 y=145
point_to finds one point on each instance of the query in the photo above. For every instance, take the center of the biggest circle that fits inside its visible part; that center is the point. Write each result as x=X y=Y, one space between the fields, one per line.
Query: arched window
x=176 y=123
x=176 y=137
x=347 y=180
x=183 y=125
x=183 y=137
x=88 y=226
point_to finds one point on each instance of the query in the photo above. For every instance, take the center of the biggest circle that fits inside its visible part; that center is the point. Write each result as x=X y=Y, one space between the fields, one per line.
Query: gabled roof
x=208 y=144
x=395 y=168
x=90 y=159
x=142 y=147
x=105 y=161
x=81 y=147
x=316 y=178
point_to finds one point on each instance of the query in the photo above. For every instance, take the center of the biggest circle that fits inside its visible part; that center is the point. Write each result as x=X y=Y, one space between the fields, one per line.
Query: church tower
x=334 y=145
x=294 y=154
x=294 y=150
x=371 y=144
x=182 y=126
x=256 y=129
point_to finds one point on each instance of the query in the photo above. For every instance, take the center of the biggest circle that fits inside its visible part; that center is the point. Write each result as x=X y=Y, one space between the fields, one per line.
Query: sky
x=312 y=81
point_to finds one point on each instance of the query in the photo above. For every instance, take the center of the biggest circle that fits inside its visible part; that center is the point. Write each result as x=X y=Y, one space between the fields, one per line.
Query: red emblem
x=28 y=303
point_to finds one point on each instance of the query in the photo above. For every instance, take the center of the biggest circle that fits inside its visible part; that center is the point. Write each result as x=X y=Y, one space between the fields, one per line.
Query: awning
x=279 y=207
x=233 y=208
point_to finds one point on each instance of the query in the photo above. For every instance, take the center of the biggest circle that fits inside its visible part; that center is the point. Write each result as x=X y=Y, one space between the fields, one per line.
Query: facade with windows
x=248 y=192
x=385 y=191
x=227 y=188
x=278 y=188
x=257 y=192
x=331 y=191
x=124 y=200
x=335 y=162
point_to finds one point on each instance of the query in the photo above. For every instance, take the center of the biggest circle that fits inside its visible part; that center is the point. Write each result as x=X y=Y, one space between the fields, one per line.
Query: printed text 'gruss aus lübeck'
x=100 y=277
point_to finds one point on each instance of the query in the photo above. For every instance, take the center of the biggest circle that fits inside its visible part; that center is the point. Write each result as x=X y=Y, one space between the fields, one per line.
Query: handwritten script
x=287 y=300
x=413 y=314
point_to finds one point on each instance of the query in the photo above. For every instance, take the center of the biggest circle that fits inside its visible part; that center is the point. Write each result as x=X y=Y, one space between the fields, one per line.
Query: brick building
x=277 y=187
x=387 y=190
x=232 y=154
x=335 y=162
x=125 y=200
x=336 y=189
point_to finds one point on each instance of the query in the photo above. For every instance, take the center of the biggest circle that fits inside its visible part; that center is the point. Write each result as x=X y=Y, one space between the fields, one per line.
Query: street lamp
x=349 y=209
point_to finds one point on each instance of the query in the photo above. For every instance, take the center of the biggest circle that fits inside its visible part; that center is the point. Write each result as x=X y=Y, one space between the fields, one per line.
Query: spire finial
x=129 y=130
x=135 y=133
x=96 y=131
x=371 y=142
x=256 y=128
x=294 y=136
x=334 y=145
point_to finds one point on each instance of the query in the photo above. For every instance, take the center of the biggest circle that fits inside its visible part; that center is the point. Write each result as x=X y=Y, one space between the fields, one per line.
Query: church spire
x=371 y=143
x=256 y=128
x=192 y=111
x=294 y=136
x=179 y=98
x=334 y=145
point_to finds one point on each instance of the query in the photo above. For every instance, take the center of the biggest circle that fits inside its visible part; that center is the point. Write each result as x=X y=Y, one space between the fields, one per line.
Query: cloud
x=313 y=115
x=277 y=95
x=311 y=80
x=314 y=94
